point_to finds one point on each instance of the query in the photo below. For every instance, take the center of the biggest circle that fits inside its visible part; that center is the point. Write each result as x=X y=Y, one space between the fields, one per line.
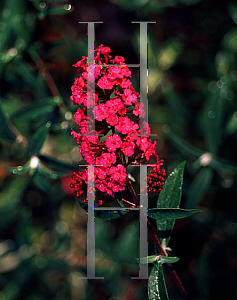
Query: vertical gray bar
x=144 y=74
x=91 y=226
x=91 y=77
x=143 y=220
x=143 y=249
x=91 y=183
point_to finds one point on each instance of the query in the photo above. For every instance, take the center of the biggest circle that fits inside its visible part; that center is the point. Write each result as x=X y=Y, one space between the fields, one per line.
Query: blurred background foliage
x=192 y=109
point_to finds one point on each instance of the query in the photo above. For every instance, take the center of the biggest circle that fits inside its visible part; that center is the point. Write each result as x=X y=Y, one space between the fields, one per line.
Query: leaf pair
x=167 y=211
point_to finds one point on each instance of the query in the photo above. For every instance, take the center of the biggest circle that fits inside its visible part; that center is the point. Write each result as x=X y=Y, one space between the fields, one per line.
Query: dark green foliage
x=5 y=131
x=170 y=199
x=37 y=140
x=170 y=213
x=193 y=110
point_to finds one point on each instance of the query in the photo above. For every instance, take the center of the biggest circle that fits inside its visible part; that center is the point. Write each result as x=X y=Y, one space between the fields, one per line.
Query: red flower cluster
x=155 y=180
x=116 y=115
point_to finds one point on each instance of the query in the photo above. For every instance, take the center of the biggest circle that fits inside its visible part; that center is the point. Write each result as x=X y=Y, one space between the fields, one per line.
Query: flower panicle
x=116 y=110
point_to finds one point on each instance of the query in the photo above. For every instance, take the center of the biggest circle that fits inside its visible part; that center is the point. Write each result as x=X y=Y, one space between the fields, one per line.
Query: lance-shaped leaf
x=37 y=109
x=102 y=213
x=156 y=283
x=5 y=131
x=170 y=198
x=38 y=139
x=42 y=183
x=212 y=121
x=183 y=146
x=49 y=173
x=219 y=163
x=119 y=198
x=109 y=214
x=170 y=213
x=60 y=10
x=20 y=169
x=148 y=259
x=154 y=258
x=168 y=259
x=26 y=72
x=57 y=164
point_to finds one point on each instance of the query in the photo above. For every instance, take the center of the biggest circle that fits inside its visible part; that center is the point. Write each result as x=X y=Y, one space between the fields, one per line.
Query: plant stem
x=131 y=189
x=19 y=137
x=159 y=246
x=48 y=78
x=130 y=203
x=170 y=266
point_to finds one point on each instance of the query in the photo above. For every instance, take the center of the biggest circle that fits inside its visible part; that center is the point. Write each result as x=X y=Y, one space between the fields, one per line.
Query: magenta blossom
x=115 y=141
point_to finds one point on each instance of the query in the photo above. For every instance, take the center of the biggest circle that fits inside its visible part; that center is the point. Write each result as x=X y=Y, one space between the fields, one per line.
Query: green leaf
x=148 y=259
x=170 y=213
x=156 y=283
x=231 y=126
x=62 y=10
x=170 y=198
x=19 y=20
x=119 y=199
x=20 y=169
x=222 y=164
x=42 y=183
x=5 y=34
x=5 y=131
x=153 y=258
x=49 y=173
x=26 y=72
x=56 y=164
x=109 y=214
x=102 y=213
x=183 y=146
x=37 y=109
x=168 y=259
x=199 y=187
x=38 y=139
x=212 y=120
